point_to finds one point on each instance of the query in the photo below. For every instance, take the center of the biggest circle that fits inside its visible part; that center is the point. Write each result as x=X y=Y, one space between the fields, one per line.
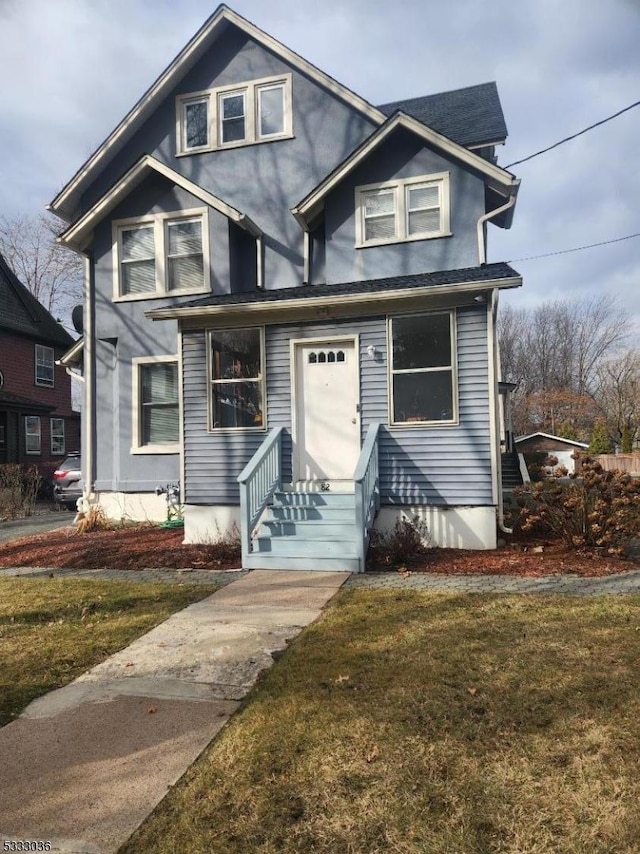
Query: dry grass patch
x=414 y=722
x=52 y=630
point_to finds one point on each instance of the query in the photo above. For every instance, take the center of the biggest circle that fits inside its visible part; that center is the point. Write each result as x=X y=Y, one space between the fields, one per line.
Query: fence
x=628 y=463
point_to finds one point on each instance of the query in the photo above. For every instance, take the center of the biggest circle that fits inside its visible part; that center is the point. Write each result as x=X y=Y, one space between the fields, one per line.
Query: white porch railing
x=259 y=479
x=367 y=491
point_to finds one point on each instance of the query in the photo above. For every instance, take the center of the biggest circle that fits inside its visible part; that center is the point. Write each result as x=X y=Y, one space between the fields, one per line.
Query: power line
x=575 y=249
x=573 y=136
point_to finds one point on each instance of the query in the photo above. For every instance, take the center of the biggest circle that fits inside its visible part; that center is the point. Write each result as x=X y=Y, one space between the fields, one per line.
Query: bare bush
x=19 y=486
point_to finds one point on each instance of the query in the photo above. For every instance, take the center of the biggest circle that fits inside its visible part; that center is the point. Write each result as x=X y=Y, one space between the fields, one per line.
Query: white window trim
x=262 y=428
x=53 y=366
x=400 y=187
x=27 y=434
x=160 y=223
x=251 y=90
x=455 y=420
x=64 y=438
x=136 y=406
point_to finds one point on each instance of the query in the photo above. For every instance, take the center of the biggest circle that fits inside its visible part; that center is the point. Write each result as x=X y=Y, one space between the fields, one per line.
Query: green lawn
x=52 y=630
x=442 y=724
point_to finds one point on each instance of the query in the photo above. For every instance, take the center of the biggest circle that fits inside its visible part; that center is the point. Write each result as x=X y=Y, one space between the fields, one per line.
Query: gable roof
x=473 y=279
x=23 y=314
x=498 y=179
x=471 y=116
x=64 y=203
x=554 y=438
x=77 y=235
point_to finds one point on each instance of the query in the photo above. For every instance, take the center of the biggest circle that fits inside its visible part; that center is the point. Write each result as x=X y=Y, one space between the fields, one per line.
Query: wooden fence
x=628 y=463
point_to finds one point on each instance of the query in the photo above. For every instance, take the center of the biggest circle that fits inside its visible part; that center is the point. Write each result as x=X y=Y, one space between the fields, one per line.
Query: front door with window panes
x=326 y=409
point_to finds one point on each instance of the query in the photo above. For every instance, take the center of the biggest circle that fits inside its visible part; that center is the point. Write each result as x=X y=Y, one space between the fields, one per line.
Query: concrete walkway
x=83 y=766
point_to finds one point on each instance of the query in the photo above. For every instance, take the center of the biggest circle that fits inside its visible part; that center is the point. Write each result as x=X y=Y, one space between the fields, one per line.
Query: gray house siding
x=264 y=180
x=422 y=465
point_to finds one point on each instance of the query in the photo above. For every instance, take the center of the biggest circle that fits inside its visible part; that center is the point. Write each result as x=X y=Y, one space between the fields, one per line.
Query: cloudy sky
x=71 y=69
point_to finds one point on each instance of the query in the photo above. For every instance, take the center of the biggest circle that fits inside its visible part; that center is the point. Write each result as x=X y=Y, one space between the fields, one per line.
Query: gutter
x=482 y=249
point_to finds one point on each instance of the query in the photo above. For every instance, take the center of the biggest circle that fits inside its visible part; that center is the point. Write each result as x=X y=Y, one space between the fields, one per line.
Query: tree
x=600 y=439
x=553 y=352
x=618 y=394
x=53 y=273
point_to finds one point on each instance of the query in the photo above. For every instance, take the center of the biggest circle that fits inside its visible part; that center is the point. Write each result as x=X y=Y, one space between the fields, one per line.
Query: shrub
x=537 y=463
x=19 y=487
x=409 y=539
x=599 y=508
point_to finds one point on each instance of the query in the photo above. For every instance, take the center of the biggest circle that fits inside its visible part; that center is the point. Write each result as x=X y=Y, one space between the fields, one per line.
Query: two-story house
x=288 y=306
x=37 y=423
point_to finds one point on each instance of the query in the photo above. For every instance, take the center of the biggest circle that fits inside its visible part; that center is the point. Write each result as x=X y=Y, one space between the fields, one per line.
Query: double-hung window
x=403 y=210
x=44 y=359
x=236 y=374
x=156 y=407
x=32 y=434
x=243 y=114
x=56 y=428
x=423 y=368
x=161 y=254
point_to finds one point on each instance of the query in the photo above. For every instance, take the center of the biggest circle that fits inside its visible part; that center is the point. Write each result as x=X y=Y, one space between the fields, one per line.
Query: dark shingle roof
x=21 y=312
x=16 y=401
x=469 y=116
x=485 y=273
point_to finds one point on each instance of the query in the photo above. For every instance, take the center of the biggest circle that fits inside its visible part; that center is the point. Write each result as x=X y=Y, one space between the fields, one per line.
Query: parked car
x=67 y=482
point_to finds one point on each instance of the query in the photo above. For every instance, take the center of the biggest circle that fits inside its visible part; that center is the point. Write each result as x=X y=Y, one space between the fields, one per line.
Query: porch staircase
x=307 y=530
x=511 y=475
x=312 y=530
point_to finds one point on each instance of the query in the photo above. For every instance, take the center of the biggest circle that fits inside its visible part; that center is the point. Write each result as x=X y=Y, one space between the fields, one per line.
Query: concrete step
x=266 y=560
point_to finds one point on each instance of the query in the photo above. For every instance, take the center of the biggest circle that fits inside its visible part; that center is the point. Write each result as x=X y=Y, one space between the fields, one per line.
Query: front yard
x=412 y=722
x=52 y=630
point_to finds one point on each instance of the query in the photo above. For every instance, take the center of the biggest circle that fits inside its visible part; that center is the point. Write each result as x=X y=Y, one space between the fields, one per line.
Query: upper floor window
x=44 y=365
x=226 y=117
x=161 y=254
x=423 y=368
x=403 y=210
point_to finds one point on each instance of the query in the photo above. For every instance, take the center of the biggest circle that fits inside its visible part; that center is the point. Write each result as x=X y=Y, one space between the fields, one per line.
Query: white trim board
x=215 y=26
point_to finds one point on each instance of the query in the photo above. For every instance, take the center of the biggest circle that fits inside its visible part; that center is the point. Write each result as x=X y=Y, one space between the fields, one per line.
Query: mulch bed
x=147 y=546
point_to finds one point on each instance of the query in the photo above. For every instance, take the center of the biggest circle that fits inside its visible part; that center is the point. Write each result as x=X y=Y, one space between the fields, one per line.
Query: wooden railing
x=258 y=481
x=367 y=491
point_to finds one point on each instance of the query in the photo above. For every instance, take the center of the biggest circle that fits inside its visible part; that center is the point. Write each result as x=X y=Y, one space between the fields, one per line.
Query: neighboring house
x=555 y=446
x=37 y=423
x=288 y=285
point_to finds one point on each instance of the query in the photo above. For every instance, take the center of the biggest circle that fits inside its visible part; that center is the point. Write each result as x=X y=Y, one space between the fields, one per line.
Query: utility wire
x=575 y=249
x=573 y=136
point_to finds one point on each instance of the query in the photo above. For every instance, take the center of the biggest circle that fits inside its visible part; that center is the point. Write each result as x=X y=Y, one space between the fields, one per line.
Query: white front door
x=327 y=422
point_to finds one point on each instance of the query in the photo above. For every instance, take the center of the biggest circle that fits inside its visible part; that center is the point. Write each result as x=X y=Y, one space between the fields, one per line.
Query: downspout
x=260 y=261
x=306 y=275
x=494 y=406
x=482 y=248
x=88 y=449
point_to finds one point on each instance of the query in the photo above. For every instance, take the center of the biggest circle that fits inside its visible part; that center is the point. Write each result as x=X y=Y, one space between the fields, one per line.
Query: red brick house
x=37 y=423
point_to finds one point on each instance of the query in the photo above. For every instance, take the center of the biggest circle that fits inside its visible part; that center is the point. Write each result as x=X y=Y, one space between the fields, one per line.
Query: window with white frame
x=403 y=210
x=224 y=117
x=32 y=434
x=156 y=405
x=44 y=366
x=423 y=369
x=56 y=429
x=162 y=254
x=236 y=375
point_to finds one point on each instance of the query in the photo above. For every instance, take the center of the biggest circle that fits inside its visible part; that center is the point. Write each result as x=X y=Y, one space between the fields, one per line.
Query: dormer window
x=227 y=117
x=161 y=255
x=402 y=210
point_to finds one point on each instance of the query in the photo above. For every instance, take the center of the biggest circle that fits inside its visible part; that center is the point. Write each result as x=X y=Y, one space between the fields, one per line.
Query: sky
x=71 y=69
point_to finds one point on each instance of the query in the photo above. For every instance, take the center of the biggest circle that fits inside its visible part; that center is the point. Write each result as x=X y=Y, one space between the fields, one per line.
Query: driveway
x=48 y=521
